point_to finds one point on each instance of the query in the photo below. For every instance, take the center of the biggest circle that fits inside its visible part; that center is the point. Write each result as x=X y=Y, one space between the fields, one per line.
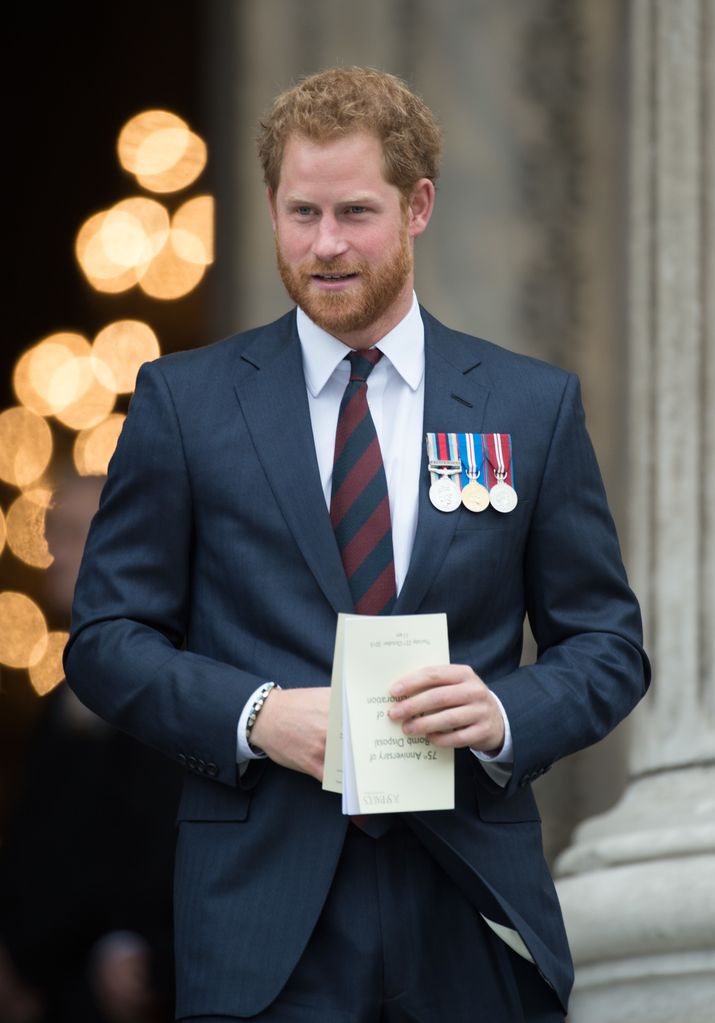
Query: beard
x=355 y=308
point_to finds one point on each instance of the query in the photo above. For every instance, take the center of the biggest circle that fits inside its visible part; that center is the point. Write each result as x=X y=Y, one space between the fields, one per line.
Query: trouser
x=397 y=942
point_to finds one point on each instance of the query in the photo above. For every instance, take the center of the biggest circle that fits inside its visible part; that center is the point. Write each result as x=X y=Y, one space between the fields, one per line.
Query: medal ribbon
x=484 y=457
x=443 y=447
x=470 y=446
x=498 y=451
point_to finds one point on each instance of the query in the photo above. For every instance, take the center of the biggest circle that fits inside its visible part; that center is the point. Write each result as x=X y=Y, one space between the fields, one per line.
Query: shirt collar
x=404 y=346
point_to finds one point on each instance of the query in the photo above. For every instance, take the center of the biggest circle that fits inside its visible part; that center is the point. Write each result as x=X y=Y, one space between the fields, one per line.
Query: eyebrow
x=357 y=200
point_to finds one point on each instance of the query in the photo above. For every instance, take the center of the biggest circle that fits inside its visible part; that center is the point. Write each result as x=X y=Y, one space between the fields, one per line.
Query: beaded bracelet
x=256 y=708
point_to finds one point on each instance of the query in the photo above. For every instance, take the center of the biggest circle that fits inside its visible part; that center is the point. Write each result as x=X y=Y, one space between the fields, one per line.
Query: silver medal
x=445 y=495
x=502 y=497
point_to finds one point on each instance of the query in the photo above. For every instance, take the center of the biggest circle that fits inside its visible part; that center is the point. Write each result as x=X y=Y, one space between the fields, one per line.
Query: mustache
x=317 y=269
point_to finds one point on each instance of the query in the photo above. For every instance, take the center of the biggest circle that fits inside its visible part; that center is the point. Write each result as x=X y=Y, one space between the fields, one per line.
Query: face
x=344 y=236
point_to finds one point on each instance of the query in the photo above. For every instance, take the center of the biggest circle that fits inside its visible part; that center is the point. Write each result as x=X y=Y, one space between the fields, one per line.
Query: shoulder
x=499 y=367
x=197 y=385
x=221 y=359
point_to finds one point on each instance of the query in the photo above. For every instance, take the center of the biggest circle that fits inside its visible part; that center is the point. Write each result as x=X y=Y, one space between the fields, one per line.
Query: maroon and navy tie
x=359 y=505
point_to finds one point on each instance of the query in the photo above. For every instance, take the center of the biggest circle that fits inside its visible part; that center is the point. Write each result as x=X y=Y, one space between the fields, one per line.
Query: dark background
x=73 y=74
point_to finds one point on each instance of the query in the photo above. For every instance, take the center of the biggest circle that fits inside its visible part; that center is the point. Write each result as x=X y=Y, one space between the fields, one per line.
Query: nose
x=329 y=241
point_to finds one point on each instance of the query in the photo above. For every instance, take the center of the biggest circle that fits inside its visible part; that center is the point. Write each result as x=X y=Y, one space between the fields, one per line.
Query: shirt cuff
x=244 y=751
x=499 y=765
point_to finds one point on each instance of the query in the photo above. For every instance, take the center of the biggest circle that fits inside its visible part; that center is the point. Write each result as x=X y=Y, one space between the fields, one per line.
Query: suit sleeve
x=124 y=658
x=591 y=668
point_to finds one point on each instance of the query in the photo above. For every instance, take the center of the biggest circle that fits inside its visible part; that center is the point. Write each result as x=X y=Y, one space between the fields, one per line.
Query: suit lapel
x=272 y=394
x=271 y=391
x=455 y=402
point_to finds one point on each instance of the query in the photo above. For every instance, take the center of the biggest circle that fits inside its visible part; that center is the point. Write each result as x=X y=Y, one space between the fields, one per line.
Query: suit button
x=191 y=761
x=201 y=766
x=211 y=770
x=182 y=759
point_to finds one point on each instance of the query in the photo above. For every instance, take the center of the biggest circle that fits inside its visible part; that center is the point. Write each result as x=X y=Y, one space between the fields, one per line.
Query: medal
x=475 y=497
x=444 y=462
x=502 y=495
x=445 y=494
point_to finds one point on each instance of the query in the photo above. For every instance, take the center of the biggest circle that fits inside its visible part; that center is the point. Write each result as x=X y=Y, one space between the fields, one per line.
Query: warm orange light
x=3 y=531
x=94 y=448
x=193 y=230
x=25 y=446
x=94 y=399
x=26 y=527
x=44 y=378
x=161 y=151
x=115 y=247
x=123 y=347
x=186 y=168
x=23 y=637
x=124 y=240
x=154 y=220
x=169 y=276
x=102 y=272
x=134 y=147
x=49 y=672
x=158 y=148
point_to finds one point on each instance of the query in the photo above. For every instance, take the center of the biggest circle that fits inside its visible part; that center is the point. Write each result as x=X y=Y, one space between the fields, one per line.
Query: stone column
x=638 y=884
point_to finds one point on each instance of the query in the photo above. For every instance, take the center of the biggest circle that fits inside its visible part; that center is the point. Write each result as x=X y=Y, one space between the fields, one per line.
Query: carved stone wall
x=638 y=884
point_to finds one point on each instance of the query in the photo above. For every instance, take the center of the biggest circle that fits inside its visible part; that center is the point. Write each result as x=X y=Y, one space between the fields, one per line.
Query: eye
x=303 y=211
x=357 y=209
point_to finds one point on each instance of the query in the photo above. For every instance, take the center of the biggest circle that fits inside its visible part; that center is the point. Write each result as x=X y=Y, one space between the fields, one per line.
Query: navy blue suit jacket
x=211 y=566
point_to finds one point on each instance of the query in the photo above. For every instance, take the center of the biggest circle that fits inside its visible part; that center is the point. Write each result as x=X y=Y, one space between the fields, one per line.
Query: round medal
x=475 y=497
x=445 y=495
x=502 y=497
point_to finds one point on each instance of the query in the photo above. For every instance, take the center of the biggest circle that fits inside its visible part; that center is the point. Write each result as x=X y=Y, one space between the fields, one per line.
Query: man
x=229 y=537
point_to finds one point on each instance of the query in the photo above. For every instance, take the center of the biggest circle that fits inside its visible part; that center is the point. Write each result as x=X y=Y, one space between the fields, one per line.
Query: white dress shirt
x=395 y=397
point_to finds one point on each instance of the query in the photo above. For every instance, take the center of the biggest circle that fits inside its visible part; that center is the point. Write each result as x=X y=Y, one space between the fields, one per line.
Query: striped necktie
x=359 y=506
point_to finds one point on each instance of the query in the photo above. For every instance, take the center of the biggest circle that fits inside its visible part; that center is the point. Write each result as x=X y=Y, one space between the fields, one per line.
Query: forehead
x=352 y=162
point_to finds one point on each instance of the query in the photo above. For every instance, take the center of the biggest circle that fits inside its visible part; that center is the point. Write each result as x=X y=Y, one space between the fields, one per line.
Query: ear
x=272 y=206
x=419 y=207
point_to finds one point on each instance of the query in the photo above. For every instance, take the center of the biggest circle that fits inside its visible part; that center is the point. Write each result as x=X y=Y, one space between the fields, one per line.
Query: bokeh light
x=136 y=242
x=115 y=246
x=46 y=379
x=124 y=240
x=132 y=142
x=193 y=230
x=160 y=150
x=133 y=231
x=26 y=527
x=94 y=395
x=25 y=446
x=181 y=174
x=49 y=672
x=123 y=347
x=101 y=271
x=23 y=637
x=94 y=448
x=169 y=276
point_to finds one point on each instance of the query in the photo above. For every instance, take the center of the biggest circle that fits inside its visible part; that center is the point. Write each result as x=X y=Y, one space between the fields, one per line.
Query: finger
x=450 y=720
x=430 y=701
x=461 y=738
x=429 y=678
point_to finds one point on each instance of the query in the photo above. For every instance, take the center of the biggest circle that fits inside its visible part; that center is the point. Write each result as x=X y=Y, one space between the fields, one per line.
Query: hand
x=292 y=727
x=449 y=705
